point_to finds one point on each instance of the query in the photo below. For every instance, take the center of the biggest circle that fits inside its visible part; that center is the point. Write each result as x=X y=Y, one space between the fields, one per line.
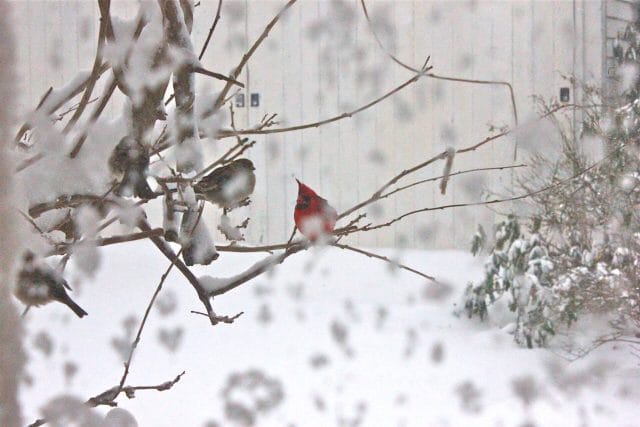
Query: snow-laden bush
x=518 y=269
x=582 y=254
x=548 y=287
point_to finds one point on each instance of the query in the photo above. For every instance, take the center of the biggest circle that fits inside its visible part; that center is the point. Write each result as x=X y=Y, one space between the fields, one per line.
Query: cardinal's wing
x=327 y=210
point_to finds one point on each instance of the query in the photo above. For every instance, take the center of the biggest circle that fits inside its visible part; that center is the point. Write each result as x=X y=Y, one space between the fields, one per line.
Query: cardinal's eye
x=305 y=198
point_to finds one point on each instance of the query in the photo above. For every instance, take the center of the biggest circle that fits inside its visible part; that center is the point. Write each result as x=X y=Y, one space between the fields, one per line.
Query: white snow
x=230 y=231
x=340 y=335
x=213 y=284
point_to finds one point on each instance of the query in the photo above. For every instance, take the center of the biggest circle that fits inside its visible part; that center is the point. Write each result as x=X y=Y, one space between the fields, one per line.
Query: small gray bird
x=228 y=186
x=129 y=162
x=39 y=284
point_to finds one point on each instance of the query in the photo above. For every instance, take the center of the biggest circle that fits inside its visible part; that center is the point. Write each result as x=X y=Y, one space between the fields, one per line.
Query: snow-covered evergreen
x=583 y=252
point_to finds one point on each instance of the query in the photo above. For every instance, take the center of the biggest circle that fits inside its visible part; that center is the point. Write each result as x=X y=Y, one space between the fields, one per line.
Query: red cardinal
x=313 y=214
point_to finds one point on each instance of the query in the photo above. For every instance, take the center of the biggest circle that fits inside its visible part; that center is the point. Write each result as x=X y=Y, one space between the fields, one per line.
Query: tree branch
x=259 y=131
x=95 y=71
x=376 y=195
x=211 y=30
x=50 y=109
x=258 y=268
x=245 y=58
x=435 y=178
x=434 y=76
x=494 y=201
x=134 y=345
x=205 y=72
x=204 y=46
x=183 y=86
x=104 y=99
x=385 y=259
x=193 y=280
x=108 y=397
x=113 y=240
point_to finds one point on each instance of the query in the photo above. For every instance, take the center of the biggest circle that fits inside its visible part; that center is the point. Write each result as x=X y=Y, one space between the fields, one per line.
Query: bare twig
x=385 y=259
x=293 y=234
x=134 y=345
x=263 y=131
x=67 y=202
x=493 y=201
x=74 y=108
x=221 y=319
x=44 y=97
x=343 y=231
x=509 y=131
x=483 y=82
x=211 y=30
x=60 y=102
x=28 y=162
x=105 y=5
x=193 y=280
x=435 y=178
x=434 y=76
x=376 y=195
x=106 y=241
x=205 y=45
x=245 y=58
x=232 y=153
x=104 y=99
x=108 y=397
x=205 y=72
x=245 y=249
x=130 y=390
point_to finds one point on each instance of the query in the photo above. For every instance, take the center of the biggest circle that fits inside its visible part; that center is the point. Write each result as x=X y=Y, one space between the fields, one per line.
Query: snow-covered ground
x=330 y=338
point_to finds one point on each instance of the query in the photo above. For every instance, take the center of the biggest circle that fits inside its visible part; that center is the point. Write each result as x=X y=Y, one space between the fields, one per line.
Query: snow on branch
x=188 y=149
x=216 y=286
x=156 y=51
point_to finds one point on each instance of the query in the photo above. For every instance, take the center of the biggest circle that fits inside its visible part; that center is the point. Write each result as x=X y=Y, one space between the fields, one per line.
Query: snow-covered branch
x=216 y=286
x=188 y=149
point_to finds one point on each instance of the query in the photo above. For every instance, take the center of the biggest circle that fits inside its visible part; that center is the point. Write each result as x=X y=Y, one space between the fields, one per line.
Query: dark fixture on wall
x=564 y=94
x=240 y=100
x=255 y=99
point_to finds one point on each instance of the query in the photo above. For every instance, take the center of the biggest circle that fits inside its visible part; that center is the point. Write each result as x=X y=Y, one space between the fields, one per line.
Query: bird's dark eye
x=303 y=202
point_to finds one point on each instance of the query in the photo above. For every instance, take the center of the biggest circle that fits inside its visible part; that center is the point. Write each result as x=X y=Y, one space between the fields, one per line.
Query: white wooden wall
x=618 y=14
x=321 y=60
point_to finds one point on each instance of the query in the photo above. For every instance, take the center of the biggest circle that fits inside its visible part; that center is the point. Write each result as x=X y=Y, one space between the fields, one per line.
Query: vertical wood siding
x=321 y=60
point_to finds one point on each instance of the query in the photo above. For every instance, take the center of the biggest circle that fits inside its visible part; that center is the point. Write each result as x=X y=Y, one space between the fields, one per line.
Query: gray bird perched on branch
x=38 y=284
x=228 y=186
x=129 y=162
